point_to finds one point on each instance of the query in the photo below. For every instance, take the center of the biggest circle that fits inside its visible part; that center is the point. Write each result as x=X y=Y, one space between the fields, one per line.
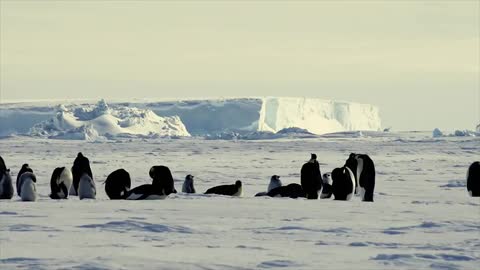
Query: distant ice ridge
x=98 y=121
x=270 y=114
x=229 y=118
x=437 y=133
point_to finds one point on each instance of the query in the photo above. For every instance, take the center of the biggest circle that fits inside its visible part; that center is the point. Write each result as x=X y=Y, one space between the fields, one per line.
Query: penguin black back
x=81 y=165
x=473 y=179
x=311 y=178
x=117 y=185
x=162 y=179
x=25 y=168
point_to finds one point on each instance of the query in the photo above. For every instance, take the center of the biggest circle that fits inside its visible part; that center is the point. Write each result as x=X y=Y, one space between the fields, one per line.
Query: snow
x=422 y=217
x=212 y=118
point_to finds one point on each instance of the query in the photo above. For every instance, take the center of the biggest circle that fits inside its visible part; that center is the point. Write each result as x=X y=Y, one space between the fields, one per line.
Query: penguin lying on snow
x=311 y=178
x=28 y=187
x=118 y=184
x=162 y=186
x=343 y=184
x=473 y=179
x=60 y=183
x=274 y=183
x=290 y=190
x=188 y=184
x=228 y=190
x=363 y=170
x=81 y=166
x=6 y=183
x=25 y=168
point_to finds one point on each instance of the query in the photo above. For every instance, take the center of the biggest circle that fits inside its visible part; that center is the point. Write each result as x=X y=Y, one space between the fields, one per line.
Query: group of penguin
x=357 y=176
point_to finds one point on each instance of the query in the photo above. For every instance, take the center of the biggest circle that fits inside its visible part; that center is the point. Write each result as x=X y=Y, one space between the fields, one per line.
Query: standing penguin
x=327 y=189
x=28 y=187
x=60 y=183
x=81 y=165
x=25 y=168
x=228 y=190
x=343 y=184
x=86 y=187
x=473 y=179
x=311 y=178
x=118 y=184
x=188 y=184
x=363 y=169
x=6 y=183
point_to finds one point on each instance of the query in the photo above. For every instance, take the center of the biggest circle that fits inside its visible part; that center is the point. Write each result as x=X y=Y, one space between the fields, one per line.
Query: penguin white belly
x=239 y=193
x=28 y=190
x=67 y=179
x=86 y=188
x=156 y=197
x=359 y=172
x=354 y=187
x=470 y=193
x=274 y=184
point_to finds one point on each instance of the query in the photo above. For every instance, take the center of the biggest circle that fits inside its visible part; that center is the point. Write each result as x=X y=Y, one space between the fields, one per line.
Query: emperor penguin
x=6 y=183
x=86 y=187
x=473 y=179
x=28 y=187
x=81 y=165
x=60 y=183
x=327 y=189
x=274 y=182
x=118 y=184
x=188 y=184
x=25 y=168
x=228 y=190
x=363 y=170
x=311 y=178
x=343 y=186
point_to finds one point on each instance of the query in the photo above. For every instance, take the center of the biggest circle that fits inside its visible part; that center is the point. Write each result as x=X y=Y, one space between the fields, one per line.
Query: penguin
x=229 y=190
x=327 y=189
x=28 y=187
x=25 y=168
x=60 y=183
x=81 y=165
x=86 y=187
x=473 y=179
x=343 y=184
x=363 y=169
x=162 y=186
x=188 y=184
x=274 y=183
x=117 y=185
x=291 y=190
x=6 y=183
x=311 y=178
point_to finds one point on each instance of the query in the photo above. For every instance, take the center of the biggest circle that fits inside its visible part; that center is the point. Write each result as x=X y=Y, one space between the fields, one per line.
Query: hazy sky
x=419 y=61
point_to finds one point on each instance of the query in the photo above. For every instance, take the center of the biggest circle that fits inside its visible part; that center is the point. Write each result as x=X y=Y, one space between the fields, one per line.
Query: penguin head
x=275 y=177
x=327 y=178
x=313 y=157
x=238 y=183
x=26 y=168
x=189 y=177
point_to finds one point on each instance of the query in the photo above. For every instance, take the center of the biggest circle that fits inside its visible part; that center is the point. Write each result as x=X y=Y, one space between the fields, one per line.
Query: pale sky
x=418 y=61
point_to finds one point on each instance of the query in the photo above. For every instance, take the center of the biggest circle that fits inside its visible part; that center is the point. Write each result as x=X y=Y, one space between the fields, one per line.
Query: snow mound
x=98 y=121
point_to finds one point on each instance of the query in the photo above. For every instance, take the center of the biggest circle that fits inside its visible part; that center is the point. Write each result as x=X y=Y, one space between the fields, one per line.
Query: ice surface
x=215 y=118
x=422 y=218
